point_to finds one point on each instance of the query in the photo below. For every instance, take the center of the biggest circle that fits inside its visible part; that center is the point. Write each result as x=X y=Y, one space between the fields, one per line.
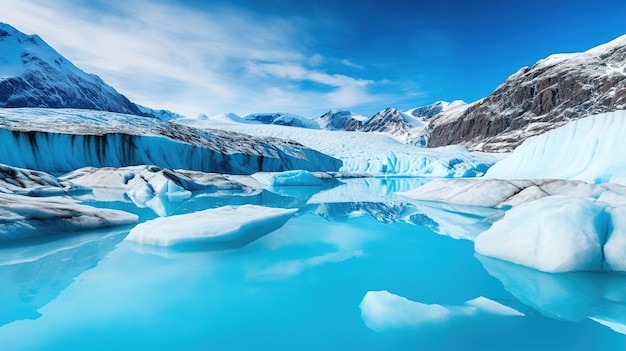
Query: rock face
x=32 y=74
x=554 y=91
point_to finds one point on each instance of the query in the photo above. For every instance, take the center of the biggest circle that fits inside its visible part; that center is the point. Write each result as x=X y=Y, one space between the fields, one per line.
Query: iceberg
x=382 y=310
x=60 y=141
x=26 y=216
x=565 y=234
x=576 y=226
x=154 y=187
x=224 y=227
x=590 y=149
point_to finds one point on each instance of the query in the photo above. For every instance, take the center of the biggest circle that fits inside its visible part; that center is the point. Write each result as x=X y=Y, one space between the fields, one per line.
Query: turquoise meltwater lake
x=357 y=268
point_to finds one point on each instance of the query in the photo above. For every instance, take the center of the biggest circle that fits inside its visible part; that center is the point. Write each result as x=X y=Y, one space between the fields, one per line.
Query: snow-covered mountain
x=61 y=140
x=341 y=120
x=282 y=119
x=554 y=91
x=407 y=127
x=428 y=112
x=33 y=74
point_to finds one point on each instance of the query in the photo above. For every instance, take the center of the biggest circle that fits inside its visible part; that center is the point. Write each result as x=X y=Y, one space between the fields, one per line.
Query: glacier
x=589 y=149
x=365 y=153
x=223 y=227
x=59 y=141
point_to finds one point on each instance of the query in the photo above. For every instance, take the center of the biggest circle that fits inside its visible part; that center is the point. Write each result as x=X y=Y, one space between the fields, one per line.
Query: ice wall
x=65 y=140
x=591 y=149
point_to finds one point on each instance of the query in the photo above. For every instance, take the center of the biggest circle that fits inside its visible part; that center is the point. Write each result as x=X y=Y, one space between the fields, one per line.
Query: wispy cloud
x=168 y=56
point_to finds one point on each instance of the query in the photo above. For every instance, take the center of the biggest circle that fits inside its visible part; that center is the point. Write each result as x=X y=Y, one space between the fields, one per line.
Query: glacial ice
x=493 y=307
x=367 y=153
x=565 y=296
x=224 y=227
x=382 y=310
x=288 y=178
x=27 y=216
x=565 y=234
x=575 y=226
x=62 y=140
x=615 y=246
x=589 y=149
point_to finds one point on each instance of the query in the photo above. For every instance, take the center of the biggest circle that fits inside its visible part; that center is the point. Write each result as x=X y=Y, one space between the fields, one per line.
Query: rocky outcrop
x=554 y=91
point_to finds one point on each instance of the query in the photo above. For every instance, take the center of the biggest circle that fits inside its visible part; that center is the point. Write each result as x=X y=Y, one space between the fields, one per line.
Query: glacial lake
x=357 y=268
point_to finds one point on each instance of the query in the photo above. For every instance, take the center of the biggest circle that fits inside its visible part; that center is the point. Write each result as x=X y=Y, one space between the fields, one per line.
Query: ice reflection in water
x=300 y=286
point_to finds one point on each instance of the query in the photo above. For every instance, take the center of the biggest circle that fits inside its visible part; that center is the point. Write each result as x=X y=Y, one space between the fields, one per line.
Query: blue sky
x=308 y=56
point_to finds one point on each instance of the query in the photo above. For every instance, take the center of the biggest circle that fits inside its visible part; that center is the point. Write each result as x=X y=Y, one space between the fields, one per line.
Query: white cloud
x=190 y=61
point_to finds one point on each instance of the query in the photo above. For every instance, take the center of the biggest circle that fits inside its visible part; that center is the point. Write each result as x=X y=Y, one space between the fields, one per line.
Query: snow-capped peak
x=33 y=74
x=341 y=120
x=427 y=112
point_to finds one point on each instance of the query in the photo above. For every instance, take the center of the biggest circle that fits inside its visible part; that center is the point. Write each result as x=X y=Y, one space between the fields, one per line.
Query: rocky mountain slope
x=32 y=74
x=407 y=127
x=551 y=93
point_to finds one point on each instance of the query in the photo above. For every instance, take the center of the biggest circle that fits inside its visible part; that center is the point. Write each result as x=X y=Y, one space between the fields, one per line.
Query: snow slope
x=591 y=149
x=62 y=140
x=371 y=153
x=32 y=74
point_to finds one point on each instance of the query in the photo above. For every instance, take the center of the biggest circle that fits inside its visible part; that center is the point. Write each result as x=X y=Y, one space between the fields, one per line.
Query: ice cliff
x=62 y=140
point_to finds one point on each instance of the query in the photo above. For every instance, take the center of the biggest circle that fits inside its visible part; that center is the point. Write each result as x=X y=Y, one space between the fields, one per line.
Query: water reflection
x=35 y=272
x=565 y=296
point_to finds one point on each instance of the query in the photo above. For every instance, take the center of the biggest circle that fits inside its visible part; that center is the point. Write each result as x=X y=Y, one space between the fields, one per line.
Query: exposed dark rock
x=534 y=100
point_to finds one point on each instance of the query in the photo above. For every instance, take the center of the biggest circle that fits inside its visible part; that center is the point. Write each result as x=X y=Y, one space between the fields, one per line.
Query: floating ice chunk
x=553 y=234
x=288 y=178
x=383 y=310
x=489 y=306
x=220 y=227
x=25 y=216
x=615 y=246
